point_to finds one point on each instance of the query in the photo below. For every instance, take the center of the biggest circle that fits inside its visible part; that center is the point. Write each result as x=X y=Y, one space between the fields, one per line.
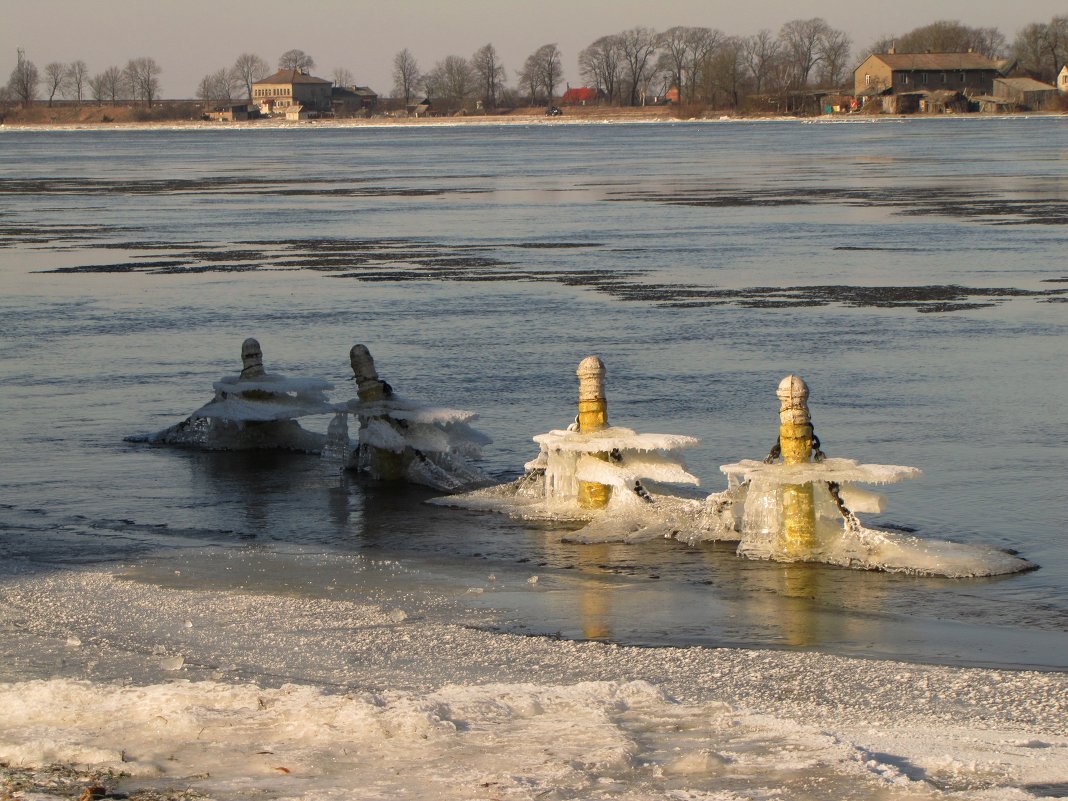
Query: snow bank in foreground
x=239 y=694
x=591 y=739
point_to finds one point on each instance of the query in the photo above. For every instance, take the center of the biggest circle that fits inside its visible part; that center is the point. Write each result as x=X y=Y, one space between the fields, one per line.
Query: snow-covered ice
x=314 y=698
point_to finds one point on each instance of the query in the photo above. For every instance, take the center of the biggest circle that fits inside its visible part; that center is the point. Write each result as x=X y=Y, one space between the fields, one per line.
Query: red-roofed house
x=580 y=96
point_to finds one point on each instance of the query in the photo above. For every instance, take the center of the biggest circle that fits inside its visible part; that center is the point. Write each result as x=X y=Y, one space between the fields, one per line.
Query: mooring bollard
x=592 y=417
x=386 y=464
x=795 y=443
x=251 y=359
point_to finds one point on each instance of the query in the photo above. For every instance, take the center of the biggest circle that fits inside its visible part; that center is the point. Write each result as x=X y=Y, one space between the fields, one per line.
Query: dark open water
x=913 y=272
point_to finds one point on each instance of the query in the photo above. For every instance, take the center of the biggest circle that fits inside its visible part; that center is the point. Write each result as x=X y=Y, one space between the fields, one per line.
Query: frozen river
x=912 y=273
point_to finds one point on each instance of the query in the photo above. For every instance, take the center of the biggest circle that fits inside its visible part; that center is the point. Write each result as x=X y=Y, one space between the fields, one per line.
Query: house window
x=923 y=77
x=867 y=80
x=905 y=79
x=962 y=77
x=943 y=77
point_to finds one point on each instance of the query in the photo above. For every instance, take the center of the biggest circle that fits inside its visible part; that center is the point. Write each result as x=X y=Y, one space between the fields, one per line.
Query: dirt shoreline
x=471 y=121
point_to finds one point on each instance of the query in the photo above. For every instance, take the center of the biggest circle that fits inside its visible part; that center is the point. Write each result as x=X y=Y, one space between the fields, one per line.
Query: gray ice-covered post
x=368 y=385
x=387 y=464
x=251 y=359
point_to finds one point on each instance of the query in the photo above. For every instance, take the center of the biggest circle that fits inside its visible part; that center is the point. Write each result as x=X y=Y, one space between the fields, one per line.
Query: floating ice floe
x=400 y=439
x=252 y=410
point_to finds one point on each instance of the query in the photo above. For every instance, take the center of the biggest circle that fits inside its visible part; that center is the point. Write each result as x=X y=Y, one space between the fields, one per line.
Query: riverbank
x=236 y=695
x=582 y=116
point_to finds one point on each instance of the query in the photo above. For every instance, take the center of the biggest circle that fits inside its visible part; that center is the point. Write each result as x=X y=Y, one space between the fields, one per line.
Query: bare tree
x=296 y=60
x=684 y=53
x=547 y=69
x=490 y=74
x=112 y=82
x=945 y=36
x=834 y=51
x=1042 y=49
x=529 y=80
x=343 y=77
x=97 y=88
x=452 y=81
x=601 y=65
x=724 y=73
x=703 y=44
x=405 y=75
x=637 y=46
x=761 y=51
x=801 y=40
x=675 y=55
x=77 y=79
x=55 y=79
x=250 y=68
x=24 y=80
x=219 y=86
x=142 y=78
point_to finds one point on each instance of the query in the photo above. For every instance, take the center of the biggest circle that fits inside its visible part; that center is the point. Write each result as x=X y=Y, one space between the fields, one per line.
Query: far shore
x=88 y=117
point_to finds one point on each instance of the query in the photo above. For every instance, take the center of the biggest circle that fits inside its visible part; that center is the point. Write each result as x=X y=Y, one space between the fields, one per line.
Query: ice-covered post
x=387 y=465
x=368 y=385
x=795 y=442
x=251 y=359
x=592 y=416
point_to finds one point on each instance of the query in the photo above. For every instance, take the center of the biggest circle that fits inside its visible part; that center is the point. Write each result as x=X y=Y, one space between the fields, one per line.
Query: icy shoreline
x=219 y=691
x=502 y=121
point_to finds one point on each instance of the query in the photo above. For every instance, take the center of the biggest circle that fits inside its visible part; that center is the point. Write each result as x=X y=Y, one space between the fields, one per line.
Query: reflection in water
x=656 y=593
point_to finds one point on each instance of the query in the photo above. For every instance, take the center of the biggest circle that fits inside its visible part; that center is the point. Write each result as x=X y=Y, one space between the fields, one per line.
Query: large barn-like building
x=287 y=88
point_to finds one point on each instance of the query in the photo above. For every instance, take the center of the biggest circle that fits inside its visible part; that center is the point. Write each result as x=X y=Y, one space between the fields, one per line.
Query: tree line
x=705 y=66
x=708 y=67
x=138 y=81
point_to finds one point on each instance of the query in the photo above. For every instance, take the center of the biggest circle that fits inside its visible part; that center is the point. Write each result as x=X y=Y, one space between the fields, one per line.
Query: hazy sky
x=190 y=38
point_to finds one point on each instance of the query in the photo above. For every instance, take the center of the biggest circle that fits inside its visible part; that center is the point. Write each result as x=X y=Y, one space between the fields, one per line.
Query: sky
x=191 y=38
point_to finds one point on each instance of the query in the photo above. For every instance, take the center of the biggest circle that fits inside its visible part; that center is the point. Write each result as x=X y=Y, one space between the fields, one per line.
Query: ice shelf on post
x=252 y=410
x=402 y=440
x=804 y=508
x=625 y=486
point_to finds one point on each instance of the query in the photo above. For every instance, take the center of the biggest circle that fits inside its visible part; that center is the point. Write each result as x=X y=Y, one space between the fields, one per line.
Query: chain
x=851 y=521
x=817 y=454
x=642 y=492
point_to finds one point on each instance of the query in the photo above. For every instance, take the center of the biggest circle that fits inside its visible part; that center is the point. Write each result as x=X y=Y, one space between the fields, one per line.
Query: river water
x=912 y=272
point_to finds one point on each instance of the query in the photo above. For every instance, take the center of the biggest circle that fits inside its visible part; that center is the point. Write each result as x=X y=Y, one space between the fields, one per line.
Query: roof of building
x=936 y=61
x=579 y=94
x=1027 y=85
x=291 y=76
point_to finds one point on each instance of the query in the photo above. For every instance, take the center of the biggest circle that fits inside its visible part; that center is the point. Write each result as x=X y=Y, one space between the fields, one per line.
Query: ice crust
x=252 y=413
x=749 y=511
x=431 y=445
x=350 y=703
x=615 y=456
x=837 y=470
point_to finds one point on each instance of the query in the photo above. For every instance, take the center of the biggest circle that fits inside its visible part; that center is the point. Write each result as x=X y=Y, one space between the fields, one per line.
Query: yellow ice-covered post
x=388 y=465
x=592 y=416
x=795 y=442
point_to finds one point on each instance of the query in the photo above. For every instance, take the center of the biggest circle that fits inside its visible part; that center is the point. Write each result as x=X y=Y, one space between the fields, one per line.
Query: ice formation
x=400 y=439
x=802 y=510
x=254 y=409
x=617 y=481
